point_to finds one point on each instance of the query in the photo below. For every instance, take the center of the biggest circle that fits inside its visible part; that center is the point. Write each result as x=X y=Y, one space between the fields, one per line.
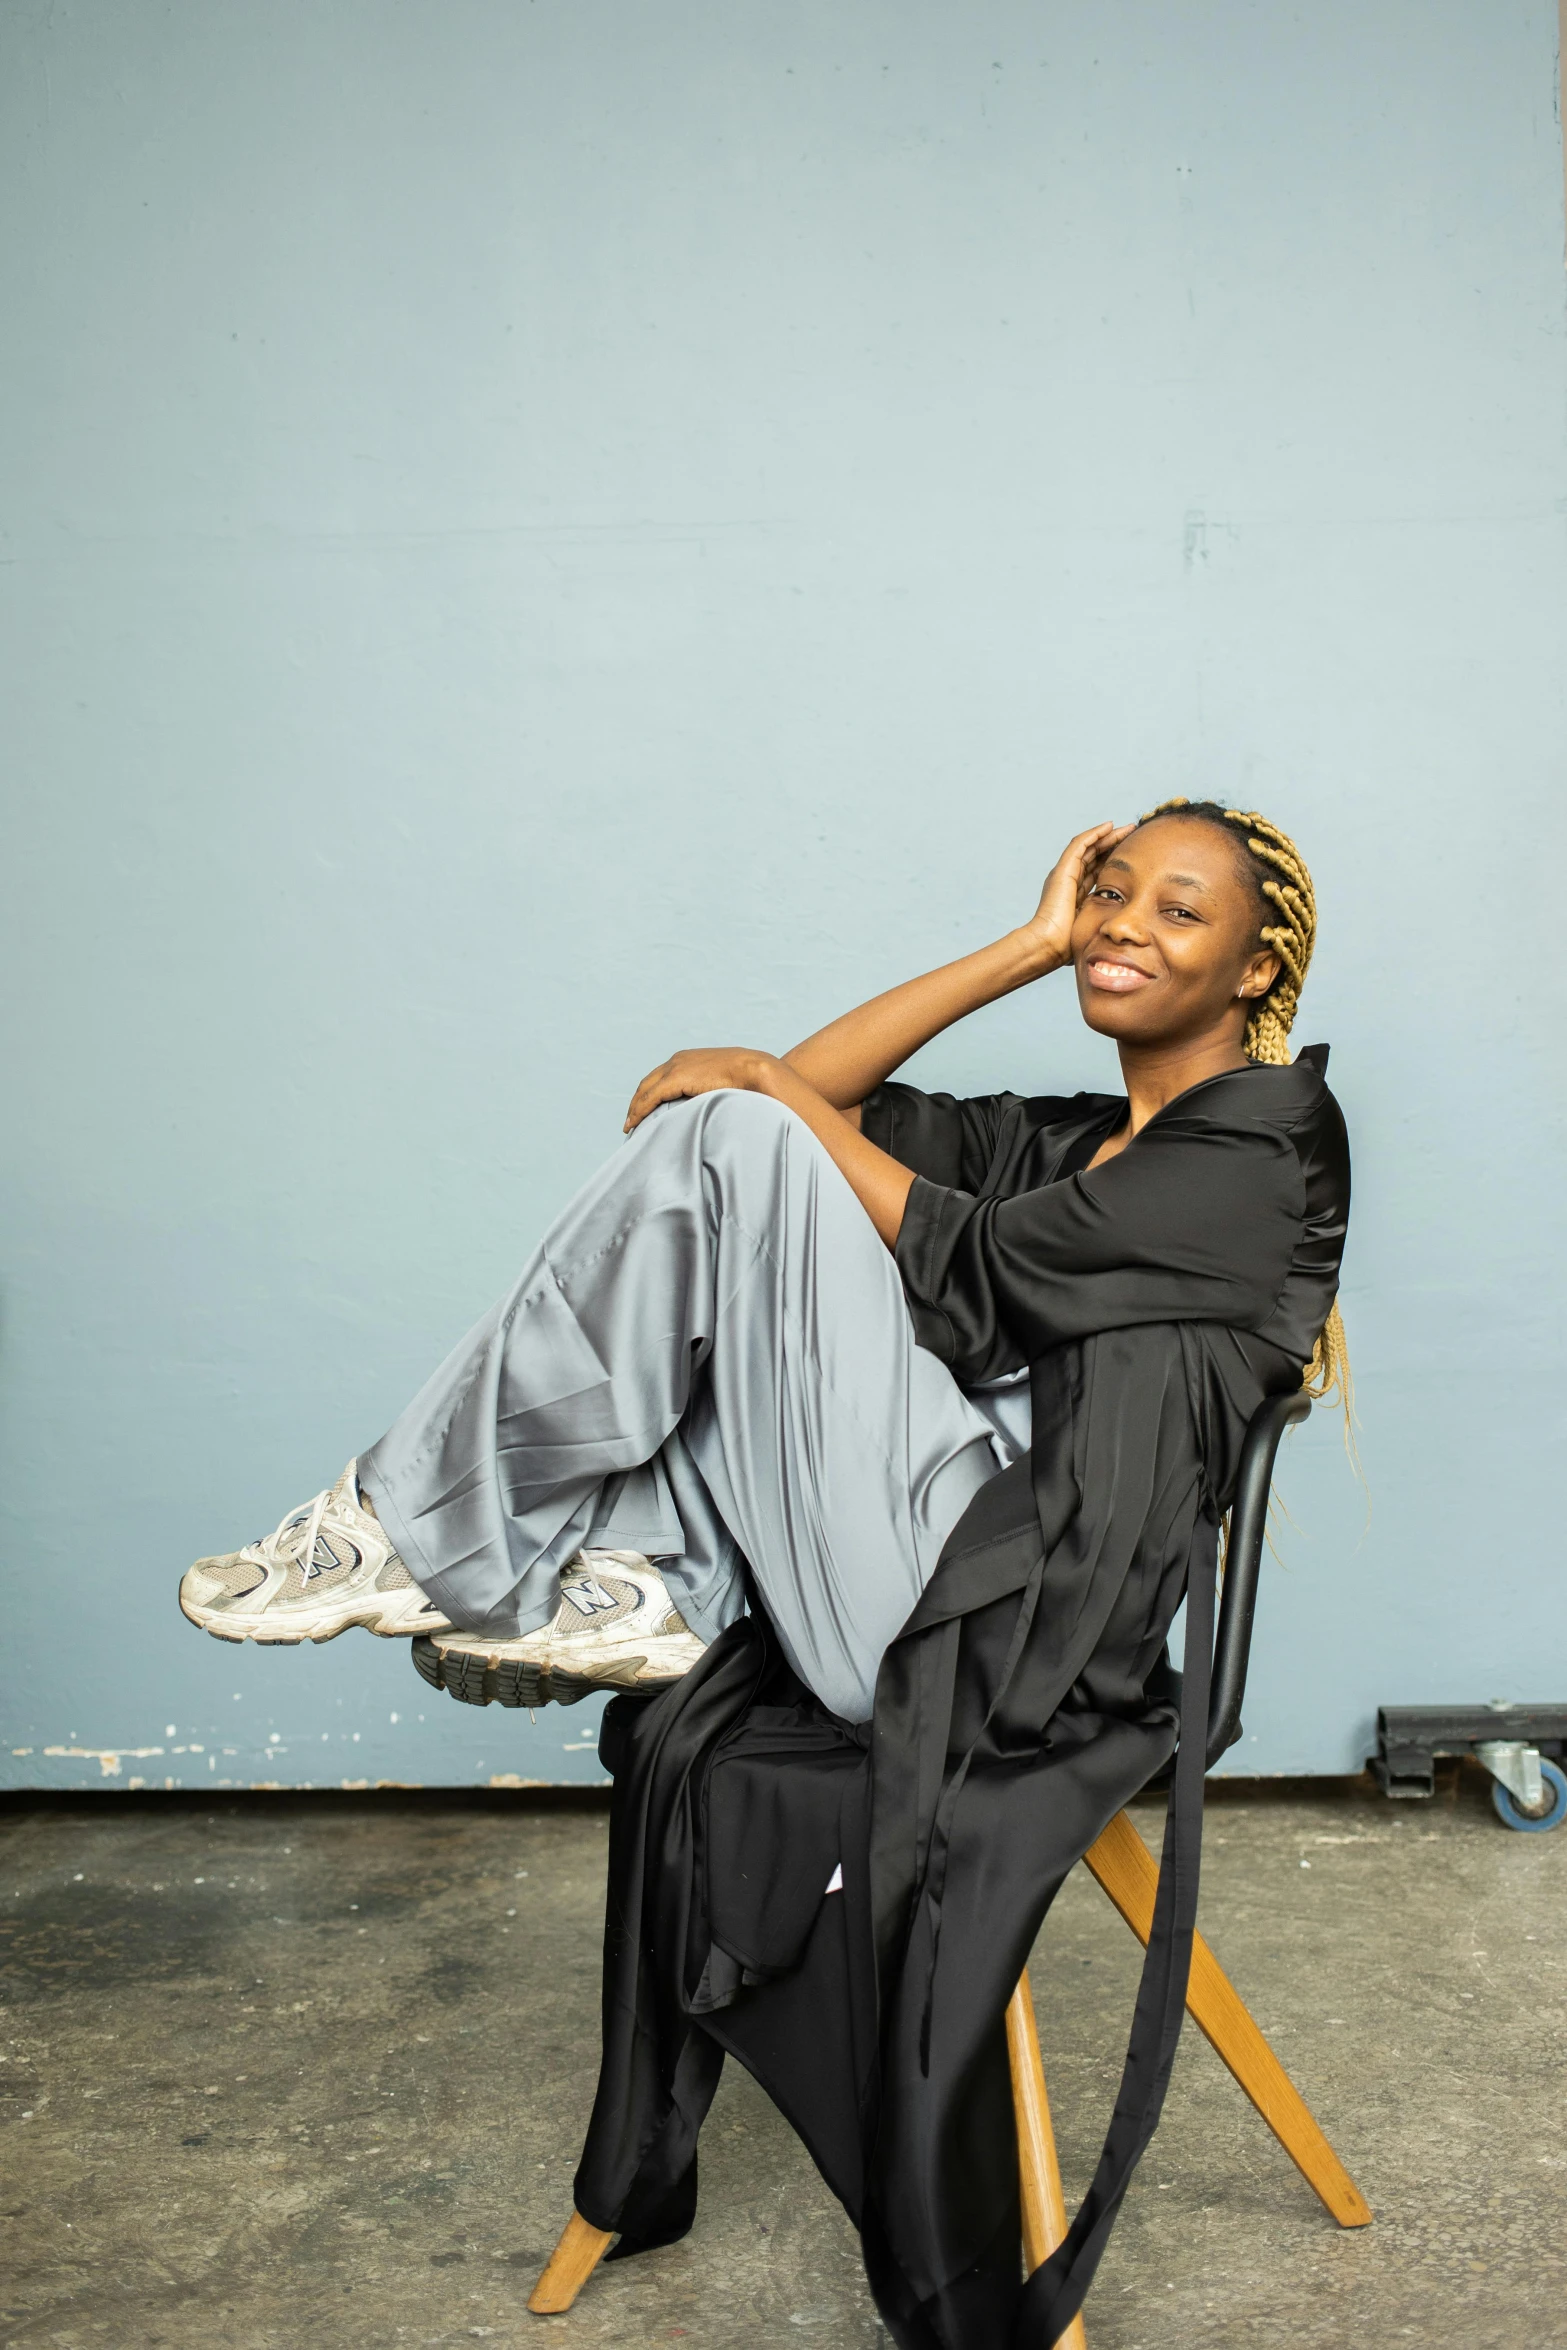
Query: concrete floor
x=313 y=2070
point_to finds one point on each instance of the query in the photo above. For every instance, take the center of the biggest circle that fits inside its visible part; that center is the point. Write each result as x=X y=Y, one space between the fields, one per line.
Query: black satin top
x=1230 y=1206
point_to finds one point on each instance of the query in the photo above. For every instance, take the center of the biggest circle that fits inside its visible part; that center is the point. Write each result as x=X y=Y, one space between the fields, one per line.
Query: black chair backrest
x=1243 y=1562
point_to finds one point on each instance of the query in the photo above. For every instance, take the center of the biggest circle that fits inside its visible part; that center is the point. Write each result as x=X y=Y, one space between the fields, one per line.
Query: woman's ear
x=1258 y=976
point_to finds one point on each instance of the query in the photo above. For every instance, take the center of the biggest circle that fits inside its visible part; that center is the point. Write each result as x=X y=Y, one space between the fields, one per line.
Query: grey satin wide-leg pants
x=708 y=1360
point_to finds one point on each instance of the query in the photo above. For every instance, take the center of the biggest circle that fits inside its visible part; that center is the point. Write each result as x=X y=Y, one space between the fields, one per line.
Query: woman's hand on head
x=1067 y=884
x=709 y=1069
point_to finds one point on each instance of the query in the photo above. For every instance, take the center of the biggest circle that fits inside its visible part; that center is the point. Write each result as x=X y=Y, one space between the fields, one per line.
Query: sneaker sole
x=220 y=1623
x=474 y=1678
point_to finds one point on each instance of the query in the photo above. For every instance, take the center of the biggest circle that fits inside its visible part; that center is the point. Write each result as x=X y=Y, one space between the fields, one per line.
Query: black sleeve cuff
x=914 y=1255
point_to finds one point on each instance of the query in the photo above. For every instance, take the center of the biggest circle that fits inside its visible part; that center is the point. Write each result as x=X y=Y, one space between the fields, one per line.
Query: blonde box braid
x=1286 y=885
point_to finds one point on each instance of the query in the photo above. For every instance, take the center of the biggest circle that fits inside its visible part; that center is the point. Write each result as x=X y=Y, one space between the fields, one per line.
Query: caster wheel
x=1508 y=1812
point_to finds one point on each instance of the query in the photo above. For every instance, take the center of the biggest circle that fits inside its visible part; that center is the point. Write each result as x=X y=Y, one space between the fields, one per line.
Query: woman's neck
x=1154 y=1074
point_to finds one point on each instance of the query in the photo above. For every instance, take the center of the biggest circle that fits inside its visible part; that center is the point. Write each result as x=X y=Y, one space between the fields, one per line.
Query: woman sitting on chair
x=867 y=1439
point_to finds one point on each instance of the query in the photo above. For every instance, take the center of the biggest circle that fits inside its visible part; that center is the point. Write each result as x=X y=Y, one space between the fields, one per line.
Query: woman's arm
x=845 y=1060
x=825 y=1079
x=848 y=1058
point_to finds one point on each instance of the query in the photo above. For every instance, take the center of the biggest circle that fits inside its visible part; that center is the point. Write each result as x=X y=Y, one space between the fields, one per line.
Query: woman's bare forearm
x=850 y=1056
x=825 y=1079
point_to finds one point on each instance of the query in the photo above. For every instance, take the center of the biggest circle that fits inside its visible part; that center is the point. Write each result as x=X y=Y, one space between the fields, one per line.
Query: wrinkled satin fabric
x=1157 y=1302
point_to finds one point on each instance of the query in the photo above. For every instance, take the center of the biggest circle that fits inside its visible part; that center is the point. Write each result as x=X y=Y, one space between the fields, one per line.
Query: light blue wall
x=536 y=534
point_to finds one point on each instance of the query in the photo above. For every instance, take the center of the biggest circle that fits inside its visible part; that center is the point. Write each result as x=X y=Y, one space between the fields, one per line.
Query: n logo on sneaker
x=589 y=1597
x=324 y=1558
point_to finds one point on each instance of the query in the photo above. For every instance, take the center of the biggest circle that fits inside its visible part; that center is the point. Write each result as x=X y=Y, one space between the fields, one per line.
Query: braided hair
x=1288 y=930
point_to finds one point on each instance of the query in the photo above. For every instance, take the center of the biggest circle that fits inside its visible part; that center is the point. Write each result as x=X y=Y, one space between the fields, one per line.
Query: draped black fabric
x=1157 y=1301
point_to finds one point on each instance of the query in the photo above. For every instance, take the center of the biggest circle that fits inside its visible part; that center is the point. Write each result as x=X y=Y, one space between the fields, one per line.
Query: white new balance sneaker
x=616 y=1628
x=328 y=1566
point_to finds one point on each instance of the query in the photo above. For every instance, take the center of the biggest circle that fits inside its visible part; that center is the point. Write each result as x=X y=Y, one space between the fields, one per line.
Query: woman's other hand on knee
x=706 y=1069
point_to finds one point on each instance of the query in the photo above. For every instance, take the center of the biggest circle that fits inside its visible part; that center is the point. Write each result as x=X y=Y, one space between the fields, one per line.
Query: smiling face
x=1165 y=945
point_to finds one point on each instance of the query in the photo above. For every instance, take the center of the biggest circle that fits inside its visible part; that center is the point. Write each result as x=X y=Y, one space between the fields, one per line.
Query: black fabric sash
x=1055 y=2292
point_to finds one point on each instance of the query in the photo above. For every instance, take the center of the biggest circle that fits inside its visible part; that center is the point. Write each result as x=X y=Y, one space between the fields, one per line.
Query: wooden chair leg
x=1039 y=2173
x=569 y=2266
x=1129 y=1873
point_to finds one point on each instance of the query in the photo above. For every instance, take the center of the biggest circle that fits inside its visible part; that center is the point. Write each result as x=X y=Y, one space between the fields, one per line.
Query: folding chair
x=1129 y=1874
